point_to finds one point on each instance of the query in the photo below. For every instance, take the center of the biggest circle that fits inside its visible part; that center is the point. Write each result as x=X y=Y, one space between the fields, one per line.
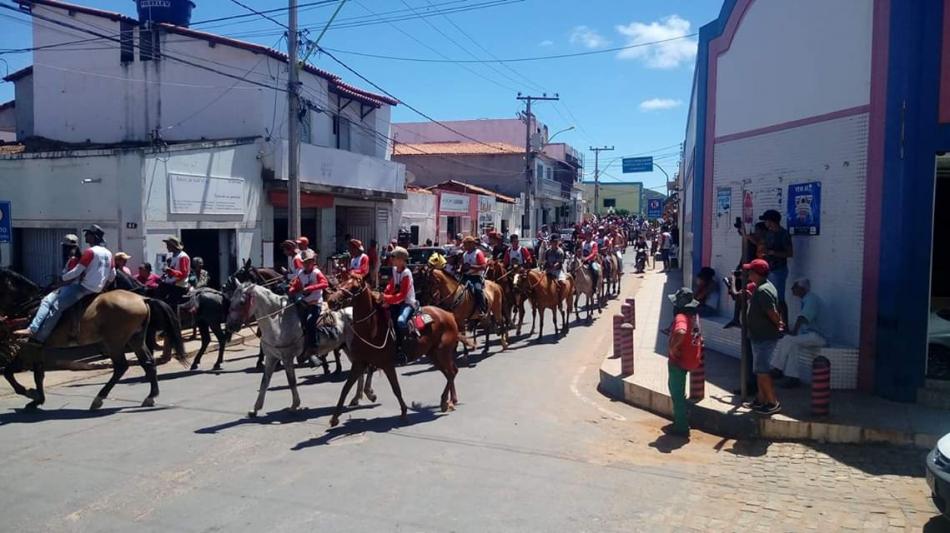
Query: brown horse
x=112 y=324
x=543 y=292
x=504 y=277
x=374 y=342
x=446 y=292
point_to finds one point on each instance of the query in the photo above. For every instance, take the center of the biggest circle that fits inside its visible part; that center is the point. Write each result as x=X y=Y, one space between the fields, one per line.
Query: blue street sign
x=6 y=221
x=637 y=164
x=654 y=208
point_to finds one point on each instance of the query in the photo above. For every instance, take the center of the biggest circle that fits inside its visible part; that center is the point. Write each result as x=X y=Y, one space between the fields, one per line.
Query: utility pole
x=528 y=156
x=293 y=127
x=597 y=150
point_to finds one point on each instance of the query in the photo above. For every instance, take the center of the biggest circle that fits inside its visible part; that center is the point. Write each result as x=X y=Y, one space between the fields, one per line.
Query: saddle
x=418 y=322
x=72 y=317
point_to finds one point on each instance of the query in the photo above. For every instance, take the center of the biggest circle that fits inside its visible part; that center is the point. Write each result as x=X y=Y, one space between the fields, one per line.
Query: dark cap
x=771 y=215
x=95 y=230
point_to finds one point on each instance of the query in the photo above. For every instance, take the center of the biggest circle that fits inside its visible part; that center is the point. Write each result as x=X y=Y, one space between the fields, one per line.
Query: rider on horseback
x=517 y=255
x=174 y=282
x=554 y=261
x=89 y=275
x=498 y=248
x=400 y=298
x=359 y=261
x=308 y=287
x=294 y=261
x=589 y=250
x=473 y=271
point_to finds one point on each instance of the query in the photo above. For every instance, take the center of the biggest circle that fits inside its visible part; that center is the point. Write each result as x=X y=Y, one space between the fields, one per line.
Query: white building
x=168 y=130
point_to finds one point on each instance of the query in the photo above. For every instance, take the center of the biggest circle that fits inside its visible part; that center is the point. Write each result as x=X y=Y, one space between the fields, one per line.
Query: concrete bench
x=844 y=359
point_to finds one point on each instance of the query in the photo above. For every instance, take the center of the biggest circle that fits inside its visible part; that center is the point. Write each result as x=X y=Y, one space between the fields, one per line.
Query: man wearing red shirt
x=684 y=354
x=517 y=254
x=400 y=298
x=308 y=287
x=174 y=280
x=473 y=271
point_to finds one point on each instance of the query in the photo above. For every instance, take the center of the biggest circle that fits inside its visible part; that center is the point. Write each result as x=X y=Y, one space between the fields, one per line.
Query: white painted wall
x=832 y=152
x=418 y=209
x=791 y=60
x=23 y=93
x=239 y=161
x=339 y=168
x=48 y=192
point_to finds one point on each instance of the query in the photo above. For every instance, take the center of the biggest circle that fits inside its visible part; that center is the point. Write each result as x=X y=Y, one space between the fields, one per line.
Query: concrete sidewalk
x=855 y=417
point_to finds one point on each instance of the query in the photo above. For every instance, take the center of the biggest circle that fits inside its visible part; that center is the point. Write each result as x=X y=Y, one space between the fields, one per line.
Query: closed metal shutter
x=359 y=222
x=40 y=253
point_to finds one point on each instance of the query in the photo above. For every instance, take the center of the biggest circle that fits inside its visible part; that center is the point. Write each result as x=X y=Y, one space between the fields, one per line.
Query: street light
x=569 y=128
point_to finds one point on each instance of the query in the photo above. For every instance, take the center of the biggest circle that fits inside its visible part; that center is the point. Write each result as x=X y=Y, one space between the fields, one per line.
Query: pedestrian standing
x=778 y=250
x=765 y=327
x=666 y=242
x=684 y=354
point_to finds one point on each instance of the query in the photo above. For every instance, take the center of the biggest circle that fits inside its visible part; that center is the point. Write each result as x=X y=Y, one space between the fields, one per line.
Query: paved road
x=532 y=447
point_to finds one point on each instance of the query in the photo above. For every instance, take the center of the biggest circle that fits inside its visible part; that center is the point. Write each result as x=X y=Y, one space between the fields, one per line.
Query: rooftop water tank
x=177 y=12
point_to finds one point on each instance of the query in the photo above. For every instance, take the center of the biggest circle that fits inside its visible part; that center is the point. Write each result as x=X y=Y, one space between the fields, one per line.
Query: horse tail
x=163 y=318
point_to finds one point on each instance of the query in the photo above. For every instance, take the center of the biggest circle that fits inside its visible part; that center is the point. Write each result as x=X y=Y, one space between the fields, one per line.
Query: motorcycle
x=641 y=261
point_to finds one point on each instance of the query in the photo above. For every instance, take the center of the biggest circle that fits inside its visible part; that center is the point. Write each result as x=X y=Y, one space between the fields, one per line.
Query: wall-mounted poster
x=804 y=208
x=723 y=201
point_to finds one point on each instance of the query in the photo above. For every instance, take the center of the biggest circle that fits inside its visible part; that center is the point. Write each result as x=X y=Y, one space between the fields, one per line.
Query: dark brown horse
x=115 y=322
x=374 y=342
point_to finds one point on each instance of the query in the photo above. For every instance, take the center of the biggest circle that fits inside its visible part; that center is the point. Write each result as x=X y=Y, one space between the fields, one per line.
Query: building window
x=548 y=173
x=341 y=129
x=540 y=172
x=126 y=42
x=610 y=202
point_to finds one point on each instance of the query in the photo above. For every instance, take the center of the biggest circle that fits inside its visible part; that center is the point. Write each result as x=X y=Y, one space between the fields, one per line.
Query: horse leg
x=205 y=341
x=119 y=366
x=540 y=312
x=336 y=356
x=355 y=372
x=394 y=383
x=144 y=356
x=222 y=339
x=9 y=372
x=554 y=311
x=368 y=390
x=292 y=381
x=260 y=359
x=269 y=365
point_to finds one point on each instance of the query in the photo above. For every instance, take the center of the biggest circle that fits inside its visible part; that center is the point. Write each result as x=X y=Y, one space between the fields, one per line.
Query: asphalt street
x=532 y=446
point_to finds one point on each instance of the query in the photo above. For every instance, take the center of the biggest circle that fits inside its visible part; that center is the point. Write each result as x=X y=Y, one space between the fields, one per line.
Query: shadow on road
x=416 y=415
x=23 y=416
x=280 y=417
x=667 y=443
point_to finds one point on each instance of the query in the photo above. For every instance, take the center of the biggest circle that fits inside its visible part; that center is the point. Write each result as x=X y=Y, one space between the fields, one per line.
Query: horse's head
x=346 y=292
x=242 y=304
x=15 y=290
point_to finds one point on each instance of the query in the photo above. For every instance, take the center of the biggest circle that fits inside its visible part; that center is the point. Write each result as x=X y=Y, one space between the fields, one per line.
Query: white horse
x=282 y=337
x=584 y=284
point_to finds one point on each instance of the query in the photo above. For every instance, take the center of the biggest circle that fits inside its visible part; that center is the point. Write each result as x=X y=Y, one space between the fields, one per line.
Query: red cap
x=759 y=266
x=303 y=241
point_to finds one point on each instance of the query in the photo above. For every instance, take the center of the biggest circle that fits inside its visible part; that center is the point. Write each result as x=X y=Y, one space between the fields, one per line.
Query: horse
x=497 y=273
x=109 y=323
x=447 y=293
x=210 y=310
x=542 y=290
x=584 y=284
x=611 y=273
x=267 y=277
x=374 y=342
x=282 y=337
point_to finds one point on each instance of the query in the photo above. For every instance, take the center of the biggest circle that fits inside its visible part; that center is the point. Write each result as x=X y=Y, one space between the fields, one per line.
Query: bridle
x=350 y=296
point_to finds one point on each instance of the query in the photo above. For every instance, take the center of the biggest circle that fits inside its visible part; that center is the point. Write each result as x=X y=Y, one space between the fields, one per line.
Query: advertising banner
x=804 y=208
x=453 y=203
x=200 y=195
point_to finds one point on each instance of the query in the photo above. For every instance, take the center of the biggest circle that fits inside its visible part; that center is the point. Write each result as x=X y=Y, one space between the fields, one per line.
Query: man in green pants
x=684 y=354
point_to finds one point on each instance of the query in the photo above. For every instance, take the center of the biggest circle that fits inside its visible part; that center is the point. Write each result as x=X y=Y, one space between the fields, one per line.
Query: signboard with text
x=804 y=208
x=453 y=203
x=201 y=195
x=654 y=208
x=486 y=203
x=6 y=221
x=637 y=164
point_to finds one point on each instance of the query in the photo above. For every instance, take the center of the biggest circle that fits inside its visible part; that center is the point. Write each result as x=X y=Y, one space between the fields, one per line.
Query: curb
x=750 y=426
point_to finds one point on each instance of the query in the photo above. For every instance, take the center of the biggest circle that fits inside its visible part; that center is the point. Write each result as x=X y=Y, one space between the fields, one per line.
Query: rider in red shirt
x=308 y=287
x=400 y=298
x=359 y=262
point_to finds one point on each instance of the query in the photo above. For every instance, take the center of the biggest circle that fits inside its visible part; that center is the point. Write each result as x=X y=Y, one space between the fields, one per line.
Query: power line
x=512 y=60
x=260 y=14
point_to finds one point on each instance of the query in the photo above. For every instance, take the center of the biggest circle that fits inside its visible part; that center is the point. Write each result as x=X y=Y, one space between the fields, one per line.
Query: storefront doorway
x=308 y=226
x=218 y=249
x=938 y=346
x=38 y=253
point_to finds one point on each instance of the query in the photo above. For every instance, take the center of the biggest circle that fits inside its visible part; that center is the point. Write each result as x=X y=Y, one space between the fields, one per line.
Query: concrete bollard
x=697 y=380
x=626 y=349
x=619 y=320
x=820 y=386
x=627 y=311
x=632 y=302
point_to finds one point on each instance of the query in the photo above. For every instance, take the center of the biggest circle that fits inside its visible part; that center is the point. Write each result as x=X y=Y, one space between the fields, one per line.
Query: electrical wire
x=260 y=14
x=301 y=7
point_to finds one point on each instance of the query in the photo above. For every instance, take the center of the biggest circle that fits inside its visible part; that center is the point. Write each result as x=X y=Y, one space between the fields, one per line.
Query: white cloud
x=670 y=54
x=546 y=42
x=588 y=37
x=657 y=104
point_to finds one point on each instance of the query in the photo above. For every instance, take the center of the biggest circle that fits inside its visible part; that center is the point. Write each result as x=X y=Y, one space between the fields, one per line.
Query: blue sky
x=635 y=100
